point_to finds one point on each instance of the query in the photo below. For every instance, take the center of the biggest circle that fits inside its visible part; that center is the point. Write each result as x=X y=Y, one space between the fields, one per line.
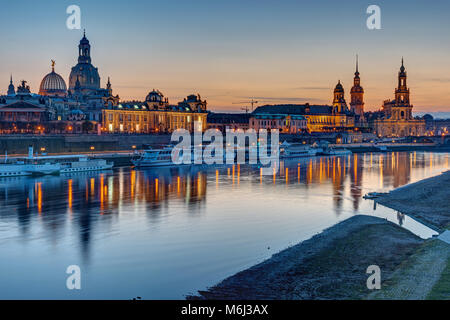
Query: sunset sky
x=234 y=50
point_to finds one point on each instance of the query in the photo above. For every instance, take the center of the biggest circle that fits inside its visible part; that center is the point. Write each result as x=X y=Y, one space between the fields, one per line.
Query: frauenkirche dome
x=84 y=72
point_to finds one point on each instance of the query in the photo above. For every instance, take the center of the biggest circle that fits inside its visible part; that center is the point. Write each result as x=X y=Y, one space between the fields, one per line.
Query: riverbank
x=426 y=274
x=331 y=265
x=426 y=200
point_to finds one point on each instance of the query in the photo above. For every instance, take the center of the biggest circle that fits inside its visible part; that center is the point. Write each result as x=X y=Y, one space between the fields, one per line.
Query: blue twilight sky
x=230 y=51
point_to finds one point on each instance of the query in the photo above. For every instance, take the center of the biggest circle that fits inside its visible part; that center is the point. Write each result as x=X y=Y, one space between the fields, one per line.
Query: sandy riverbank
x=426 y=200
x=331 y=265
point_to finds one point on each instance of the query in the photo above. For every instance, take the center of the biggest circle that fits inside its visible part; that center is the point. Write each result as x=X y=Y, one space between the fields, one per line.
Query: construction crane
x=251 y=102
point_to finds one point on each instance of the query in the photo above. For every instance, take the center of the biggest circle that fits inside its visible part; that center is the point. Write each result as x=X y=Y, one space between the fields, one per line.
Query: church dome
x=53 y=84
x=87 y=75
x=339 y=87
x=154 y=96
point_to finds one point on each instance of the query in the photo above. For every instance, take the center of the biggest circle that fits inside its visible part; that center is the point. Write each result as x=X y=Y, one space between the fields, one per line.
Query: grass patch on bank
x=441 y=290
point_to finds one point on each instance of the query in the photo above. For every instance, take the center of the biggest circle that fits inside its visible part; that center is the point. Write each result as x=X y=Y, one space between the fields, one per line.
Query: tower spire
x=11 y=89
x=357 y=63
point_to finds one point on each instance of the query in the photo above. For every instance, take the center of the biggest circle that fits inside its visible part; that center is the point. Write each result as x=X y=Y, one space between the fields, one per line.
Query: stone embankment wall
x=18 y=144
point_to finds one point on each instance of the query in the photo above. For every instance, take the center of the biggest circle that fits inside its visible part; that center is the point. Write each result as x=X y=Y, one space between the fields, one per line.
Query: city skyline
x=234 y=60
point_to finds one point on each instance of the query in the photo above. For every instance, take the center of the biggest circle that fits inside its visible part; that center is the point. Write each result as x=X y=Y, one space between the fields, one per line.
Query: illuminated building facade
x=305 y=117
x=231 y=121
x=155 y=115
x=285 y=123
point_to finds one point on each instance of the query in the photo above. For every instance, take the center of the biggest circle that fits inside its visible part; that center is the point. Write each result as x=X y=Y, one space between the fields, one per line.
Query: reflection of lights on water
x=132 y=182
x=92 y=186
x=39 y=196
x=102 y=195
x=239 y=173
x=234 y=169
x=381 y=171
x=70 y=197
x=431 y=162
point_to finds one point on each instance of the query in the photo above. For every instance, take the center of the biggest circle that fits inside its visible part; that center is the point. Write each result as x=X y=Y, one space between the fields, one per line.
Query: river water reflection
x=165 y=233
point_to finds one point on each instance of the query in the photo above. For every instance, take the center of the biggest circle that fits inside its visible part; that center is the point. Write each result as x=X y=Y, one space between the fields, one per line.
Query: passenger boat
x=154 y=158
x=336 y=152
x=25 y=168
x=48 y=165
x=28 y=166
x=163 y=157
x=81 y=163
x=297 y=150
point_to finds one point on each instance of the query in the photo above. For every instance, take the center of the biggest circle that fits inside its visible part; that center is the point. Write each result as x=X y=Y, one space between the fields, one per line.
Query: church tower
x=402 y=109
x=84 y=50
x=339 y=104
x=11 y=89
x=84 y=72
x=357 y=95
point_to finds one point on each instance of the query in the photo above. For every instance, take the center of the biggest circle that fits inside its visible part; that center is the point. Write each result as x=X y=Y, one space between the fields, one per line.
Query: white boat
x=337 y=152
x=77 y=163
x=297 y=150
x=22 y=168
x=47 y=165
x=154 y=158
x=28 y=166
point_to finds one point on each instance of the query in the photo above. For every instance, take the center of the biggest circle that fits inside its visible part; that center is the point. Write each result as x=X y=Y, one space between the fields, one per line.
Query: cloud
x=311 y=88
x=283 y=99
x=441 y=80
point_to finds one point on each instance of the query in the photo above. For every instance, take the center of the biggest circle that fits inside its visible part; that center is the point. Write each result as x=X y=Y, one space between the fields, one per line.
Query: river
x=165 y=233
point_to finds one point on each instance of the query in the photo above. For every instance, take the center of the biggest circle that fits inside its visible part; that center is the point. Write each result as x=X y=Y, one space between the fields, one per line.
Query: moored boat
x=297 y=150
x=51 y=165
x=154 y=158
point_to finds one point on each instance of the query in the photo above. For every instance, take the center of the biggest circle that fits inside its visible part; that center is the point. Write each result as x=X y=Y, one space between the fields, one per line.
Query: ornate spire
x=53 y=65
x=402 y=68
x=11 y=89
